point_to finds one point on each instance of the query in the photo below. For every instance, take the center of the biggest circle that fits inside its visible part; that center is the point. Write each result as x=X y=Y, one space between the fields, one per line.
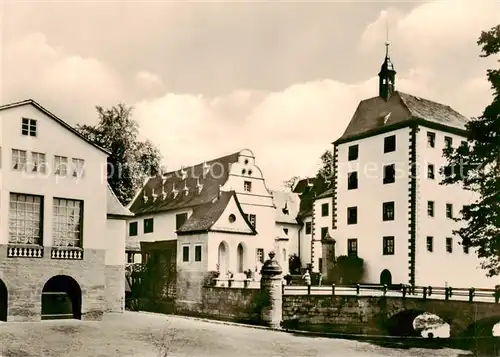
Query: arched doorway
x=61 y=298
x=223 y=258
x=386 y=277
x=241 y=258
x=3 y=301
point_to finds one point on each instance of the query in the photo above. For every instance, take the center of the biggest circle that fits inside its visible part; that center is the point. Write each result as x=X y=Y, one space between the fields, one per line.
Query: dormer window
x=28 y=127
x=247 y=186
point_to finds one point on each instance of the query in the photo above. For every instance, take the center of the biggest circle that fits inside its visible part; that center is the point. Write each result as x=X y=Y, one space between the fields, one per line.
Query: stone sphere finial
x=272 y=254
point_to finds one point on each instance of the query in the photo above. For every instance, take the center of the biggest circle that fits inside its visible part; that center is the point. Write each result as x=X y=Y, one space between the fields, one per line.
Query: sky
x=209 y=78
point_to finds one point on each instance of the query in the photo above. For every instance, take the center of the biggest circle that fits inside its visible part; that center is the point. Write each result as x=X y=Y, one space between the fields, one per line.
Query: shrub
x=348 y=270
x=294 y=264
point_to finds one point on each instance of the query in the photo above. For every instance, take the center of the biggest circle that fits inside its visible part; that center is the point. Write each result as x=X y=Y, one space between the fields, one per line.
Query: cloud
x=287 y=128
x=32 y=68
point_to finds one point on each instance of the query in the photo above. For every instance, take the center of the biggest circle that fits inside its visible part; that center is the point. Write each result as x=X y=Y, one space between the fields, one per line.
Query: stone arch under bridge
x=61 y=298
x=465 y=318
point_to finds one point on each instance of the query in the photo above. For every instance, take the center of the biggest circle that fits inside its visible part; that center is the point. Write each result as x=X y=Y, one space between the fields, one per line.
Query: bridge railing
x=405 y=291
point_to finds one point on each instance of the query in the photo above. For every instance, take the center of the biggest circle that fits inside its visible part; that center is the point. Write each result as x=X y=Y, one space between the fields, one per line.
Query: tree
x=131 y=160
x=348 y=270
x=290 y=183
x=476 y=166
x=326 y=170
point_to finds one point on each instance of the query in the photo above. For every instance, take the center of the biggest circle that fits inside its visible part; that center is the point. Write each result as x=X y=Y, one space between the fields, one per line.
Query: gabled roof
x=291 y=201
x=114 y=207
x=308 y=189
x=204 y=216
x=54 y=117
x=376 y=114
x=210 y=178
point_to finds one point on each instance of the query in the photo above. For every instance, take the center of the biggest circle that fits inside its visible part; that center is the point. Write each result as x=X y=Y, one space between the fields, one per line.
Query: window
x=388 y=211
x=78 y=165
x=320 y=264
x=132 y=229
x=130 y=257
x=430 y=244
x=465 y=247
x=430 y=171
x=389 y=174
x=285 y=230
x=431 y=139
x=388 y=245
x=324 y=210
x=25 y=219
x=352 y=247
x=18 y=160
x=197 y=253
x=252 y=219
x=390 y=143
x=180 y=219
x=148 y=225
x=353 y=152
x=61 y=165
x=449 y=210
x=324 y=232
x=352 y=215
x=67 y=223
x=465 y=211
x=449 y=245
x=430 y=208
x=260 y=255
x=352 y=181
x=185 y=254
x=448 y=142
x=308 y=228
x=247 y=186
x=38 y=162
x=28 y=127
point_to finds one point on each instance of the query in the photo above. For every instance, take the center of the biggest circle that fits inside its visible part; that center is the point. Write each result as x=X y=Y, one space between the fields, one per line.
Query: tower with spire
x=387 y=76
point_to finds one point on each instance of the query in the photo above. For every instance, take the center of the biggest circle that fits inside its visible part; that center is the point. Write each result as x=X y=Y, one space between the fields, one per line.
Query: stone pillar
x=328 y=250
x=271 y=287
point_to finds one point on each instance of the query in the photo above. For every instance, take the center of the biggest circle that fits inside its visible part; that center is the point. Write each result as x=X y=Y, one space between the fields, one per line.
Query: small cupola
x=387 y=76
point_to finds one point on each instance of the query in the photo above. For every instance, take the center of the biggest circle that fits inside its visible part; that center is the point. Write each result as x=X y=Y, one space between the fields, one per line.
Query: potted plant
x=248 y=274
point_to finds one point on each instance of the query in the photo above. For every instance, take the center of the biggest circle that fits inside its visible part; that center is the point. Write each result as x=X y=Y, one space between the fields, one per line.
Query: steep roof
x=291 y=201
x=210 y=175
x=114 y=207
x=308 y=189
x=54 y=117
x=204 y=216
x=327 y=193
x=375 y=113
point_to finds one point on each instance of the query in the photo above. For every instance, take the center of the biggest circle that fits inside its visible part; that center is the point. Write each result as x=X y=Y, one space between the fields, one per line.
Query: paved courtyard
x=135 y=334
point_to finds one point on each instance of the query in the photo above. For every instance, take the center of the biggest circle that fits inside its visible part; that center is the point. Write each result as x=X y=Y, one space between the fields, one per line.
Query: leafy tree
x=294 y=264
x=290 y=183
x=326 y=170
x=476 y=165
x=131 y=160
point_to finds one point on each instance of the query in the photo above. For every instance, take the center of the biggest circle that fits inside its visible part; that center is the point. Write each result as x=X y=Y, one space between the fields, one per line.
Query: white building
x=388 y=206
x=55 y=236
x=222 y=216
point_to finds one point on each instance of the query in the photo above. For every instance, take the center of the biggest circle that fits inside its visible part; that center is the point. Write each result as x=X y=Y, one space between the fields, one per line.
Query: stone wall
x=115 y=288
x=229 y=304
x=26 y=277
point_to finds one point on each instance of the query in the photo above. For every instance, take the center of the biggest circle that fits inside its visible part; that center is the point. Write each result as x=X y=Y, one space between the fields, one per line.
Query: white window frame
x=19 y=160
x=78 y=166
x=25 y=219
x=60 y=165
x=38 y=162
x=67 y=221
x=28 y=127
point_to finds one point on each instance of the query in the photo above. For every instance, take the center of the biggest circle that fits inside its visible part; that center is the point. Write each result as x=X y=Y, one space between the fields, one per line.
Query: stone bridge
x=386 y=315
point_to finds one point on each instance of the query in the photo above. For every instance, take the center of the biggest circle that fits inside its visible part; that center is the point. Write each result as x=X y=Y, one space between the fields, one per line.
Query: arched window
x=240 y=258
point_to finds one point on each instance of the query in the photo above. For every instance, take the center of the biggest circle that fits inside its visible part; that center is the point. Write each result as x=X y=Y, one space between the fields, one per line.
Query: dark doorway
x=386 y=277
x=61 y=299
x=3 y=301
